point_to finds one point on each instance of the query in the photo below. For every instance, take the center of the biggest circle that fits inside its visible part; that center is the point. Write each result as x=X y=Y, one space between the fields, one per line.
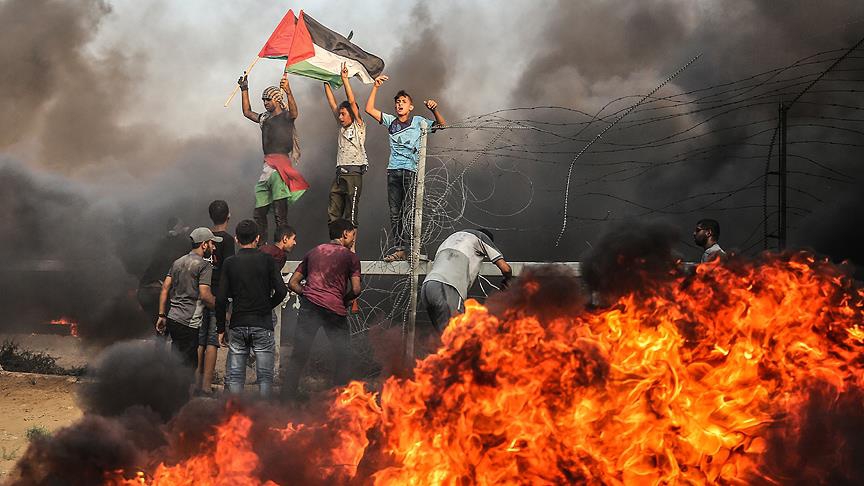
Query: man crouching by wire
x=456 y=267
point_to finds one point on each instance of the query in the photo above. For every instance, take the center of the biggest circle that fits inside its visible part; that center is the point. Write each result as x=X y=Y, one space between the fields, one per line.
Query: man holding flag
x=280 y=184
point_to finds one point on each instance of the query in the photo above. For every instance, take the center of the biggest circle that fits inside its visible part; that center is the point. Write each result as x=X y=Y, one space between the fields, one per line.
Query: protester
x=456 y=266
x=405 y=133
x=208 y=339
x=707 y=235
x=170 y=247
x=332 y=274
x=351 y=161
x=188 y=285
x=253 y=283
x=284 y=240
x=280 y=184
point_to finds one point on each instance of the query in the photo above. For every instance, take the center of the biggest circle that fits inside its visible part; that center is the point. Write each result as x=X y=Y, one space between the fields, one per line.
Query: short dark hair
x=402 y=93
x=347 y=106
x=246 y=231
x=283 y=231
x=487 y=233
x=711 y=224
x=340 y=226
x=218 y=210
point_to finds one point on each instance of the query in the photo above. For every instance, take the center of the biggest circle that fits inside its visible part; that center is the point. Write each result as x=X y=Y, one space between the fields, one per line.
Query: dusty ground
x=30 y=401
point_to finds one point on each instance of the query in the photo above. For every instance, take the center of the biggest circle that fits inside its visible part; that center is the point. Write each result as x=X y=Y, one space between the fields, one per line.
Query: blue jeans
x=263 y=344
x=400 y=187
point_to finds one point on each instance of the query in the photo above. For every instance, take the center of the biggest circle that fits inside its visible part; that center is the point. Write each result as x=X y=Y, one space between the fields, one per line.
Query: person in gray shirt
x=456 y=266
x=707 y=235
x=187 y=286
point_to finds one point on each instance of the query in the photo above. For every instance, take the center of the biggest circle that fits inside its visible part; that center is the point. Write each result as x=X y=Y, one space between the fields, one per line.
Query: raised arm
x=289 y=97
x=370 y=103
x=244 y=96
x=331 y=100
x=433 y=107
x=349 y=94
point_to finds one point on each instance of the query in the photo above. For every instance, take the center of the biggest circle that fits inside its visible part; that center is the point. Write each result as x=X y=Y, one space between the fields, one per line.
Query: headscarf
x=274 y=93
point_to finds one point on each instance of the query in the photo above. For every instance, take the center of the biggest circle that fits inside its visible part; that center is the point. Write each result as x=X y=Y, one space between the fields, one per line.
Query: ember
x=694 y=383
x=65 y=321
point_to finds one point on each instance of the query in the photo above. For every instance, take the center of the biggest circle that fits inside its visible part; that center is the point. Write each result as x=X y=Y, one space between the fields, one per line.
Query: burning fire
x=65 y=321
x=694 y=384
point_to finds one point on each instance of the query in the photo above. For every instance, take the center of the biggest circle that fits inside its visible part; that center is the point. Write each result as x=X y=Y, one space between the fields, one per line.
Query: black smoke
x=136 y=373
x=629 y=258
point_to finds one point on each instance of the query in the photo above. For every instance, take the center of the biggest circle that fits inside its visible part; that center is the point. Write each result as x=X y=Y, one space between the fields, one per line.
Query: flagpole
x=237 y=86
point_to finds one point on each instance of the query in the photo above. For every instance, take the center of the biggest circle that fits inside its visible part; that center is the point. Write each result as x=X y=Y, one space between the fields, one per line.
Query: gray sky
x=114 y=119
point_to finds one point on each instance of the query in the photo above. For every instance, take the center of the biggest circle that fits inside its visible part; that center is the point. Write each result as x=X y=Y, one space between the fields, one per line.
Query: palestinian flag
x=279 y=45
x=318 y=52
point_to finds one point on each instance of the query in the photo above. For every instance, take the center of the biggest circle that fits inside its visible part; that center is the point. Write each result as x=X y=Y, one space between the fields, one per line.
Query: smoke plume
x=129 y=374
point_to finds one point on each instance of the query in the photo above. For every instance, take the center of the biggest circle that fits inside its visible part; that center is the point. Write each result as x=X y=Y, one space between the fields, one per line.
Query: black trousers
x=310 y=318
x=184 y=341
x=280 y=215
x=345 y=197
x=442 y=302
x=400 y=196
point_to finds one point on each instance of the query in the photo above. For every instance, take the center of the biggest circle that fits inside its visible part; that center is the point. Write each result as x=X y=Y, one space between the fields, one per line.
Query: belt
x=352 y=169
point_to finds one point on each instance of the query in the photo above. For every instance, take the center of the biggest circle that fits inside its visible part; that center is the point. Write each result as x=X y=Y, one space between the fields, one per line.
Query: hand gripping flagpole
x=237 y=86
x=606 y=129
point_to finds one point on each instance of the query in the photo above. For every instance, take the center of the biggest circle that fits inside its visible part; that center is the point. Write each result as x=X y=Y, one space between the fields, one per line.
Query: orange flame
x=685 y=386
x=65 y=321
x=231 y=462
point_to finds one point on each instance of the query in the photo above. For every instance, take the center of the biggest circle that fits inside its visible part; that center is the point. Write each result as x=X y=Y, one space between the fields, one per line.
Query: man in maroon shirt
x=332 y=274
x=284 y=240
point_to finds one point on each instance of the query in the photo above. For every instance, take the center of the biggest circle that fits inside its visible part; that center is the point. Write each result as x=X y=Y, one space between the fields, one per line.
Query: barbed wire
x=504 y=169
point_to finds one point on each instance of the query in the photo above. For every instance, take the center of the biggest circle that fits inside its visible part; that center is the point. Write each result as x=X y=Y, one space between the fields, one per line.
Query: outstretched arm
x=244 y=96
x=506 y=271
x=292 y=105
x=433 y=107
x=349 y=93
x=331 y=100
x=370 y=103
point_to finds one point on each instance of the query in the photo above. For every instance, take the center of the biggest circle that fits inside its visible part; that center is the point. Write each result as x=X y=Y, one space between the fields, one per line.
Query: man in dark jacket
x=253 y=283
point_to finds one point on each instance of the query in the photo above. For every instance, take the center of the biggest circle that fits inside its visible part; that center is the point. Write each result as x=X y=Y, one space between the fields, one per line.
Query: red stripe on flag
x=302 y=48
x=279 y=45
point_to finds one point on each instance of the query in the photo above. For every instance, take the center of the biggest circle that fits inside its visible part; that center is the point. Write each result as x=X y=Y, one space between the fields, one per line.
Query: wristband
x=163 y=315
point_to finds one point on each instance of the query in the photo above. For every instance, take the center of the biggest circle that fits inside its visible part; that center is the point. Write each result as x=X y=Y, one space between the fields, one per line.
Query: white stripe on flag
x=331 y=62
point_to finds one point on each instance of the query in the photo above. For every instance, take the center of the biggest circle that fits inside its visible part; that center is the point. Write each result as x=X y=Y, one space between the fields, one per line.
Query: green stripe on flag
x=305 y=68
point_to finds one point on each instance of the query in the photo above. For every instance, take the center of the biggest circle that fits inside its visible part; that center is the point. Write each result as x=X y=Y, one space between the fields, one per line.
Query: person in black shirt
x=250 y=278
x=280 y=184
x=208 y=338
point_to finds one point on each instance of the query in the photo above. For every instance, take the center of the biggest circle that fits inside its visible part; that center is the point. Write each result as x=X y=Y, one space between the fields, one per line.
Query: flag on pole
x=318 y=52
x=280 y=43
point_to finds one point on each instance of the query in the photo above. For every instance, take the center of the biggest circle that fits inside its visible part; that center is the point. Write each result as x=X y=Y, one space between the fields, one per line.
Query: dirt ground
x=28 y=402
x=31 y=401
